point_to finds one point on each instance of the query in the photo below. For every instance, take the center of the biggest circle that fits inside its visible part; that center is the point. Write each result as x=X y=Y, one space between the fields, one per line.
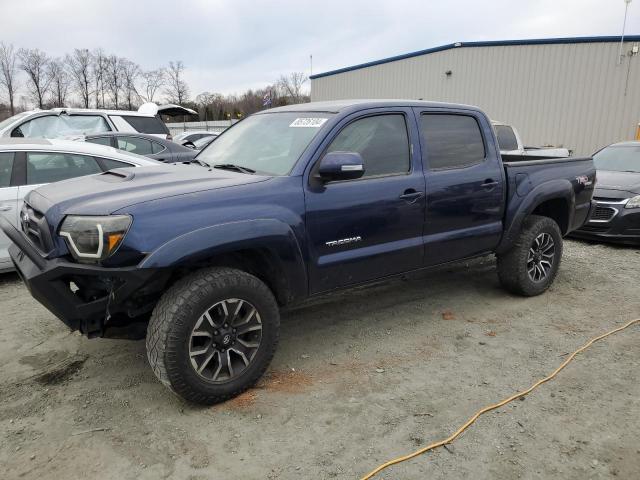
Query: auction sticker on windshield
x=308 y=122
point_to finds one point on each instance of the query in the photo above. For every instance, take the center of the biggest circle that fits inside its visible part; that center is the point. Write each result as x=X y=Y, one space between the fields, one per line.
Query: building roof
x=492 y=43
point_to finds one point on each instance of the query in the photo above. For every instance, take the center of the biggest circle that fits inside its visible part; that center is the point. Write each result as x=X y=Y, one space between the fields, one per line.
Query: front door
x=363 y=229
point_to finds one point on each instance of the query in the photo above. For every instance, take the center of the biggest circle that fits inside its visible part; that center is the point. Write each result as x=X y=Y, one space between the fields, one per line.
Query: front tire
x=213 y=334
x=531 y=265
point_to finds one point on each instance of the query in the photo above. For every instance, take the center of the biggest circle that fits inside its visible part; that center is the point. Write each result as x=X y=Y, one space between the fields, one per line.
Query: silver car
x=27 y=163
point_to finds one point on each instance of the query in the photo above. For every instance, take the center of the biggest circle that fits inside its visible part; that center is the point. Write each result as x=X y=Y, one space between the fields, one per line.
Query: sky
x=228 y=46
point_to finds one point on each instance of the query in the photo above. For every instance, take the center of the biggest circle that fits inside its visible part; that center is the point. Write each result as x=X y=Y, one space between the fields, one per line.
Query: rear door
x=465 y=184
x=368 y=228
x=8 y=203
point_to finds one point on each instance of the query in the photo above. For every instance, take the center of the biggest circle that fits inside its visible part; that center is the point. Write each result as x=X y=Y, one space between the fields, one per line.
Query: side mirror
x=341 y=166
x=189 y=144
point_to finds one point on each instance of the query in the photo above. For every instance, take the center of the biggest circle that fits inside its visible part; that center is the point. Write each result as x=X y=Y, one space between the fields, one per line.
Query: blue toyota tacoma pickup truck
x=288 y=204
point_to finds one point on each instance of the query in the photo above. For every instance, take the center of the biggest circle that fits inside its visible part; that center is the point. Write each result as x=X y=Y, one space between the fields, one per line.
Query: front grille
x=602 y=214
x=34 y=225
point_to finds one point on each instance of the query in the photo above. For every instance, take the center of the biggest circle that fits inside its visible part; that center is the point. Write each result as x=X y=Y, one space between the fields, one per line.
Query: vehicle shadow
x=8 y=277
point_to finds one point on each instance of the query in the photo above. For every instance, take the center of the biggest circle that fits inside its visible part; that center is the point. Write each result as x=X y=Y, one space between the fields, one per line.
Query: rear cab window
x=506 y=138
x=451 y=140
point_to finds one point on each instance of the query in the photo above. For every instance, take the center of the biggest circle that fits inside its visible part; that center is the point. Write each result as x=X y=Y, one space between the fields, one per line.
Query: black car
x=148 y=145
x=616 y=216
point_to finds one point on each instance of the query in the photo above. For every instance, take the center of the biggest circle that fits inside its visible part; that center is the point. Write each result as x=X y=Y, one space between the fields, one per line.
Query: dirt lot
x=358 y=379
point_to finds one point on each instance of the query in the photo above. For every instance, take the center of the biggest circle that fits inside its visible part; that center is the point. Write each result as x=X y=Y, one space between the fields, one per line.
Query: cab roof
x=336 y=106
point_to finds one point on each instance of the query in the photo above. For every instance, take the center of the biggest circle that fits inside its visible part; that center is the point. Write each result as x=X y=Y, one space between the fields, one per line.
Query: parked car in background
x=65 y=122
x=203 y=142
x=616 y=216
x=292 y=203
x=26 y=164
x=148 y=145
x=191 y=137
x=511 y=143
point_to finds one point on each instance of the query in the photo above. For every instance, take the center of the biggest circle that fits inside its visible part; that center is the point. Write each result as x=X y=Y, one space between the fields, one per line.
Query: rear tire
x=213 y=334
x=531 y=265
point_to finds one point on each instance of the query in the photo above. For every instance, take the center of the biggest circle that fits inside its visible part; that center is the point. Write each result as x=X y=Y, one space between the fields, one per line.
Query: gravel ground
x=359 y=378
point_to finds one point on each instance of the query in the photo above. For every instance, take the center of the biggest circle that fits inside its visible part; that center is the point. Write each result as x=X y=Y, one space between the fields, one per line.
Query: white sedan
x=28 y=163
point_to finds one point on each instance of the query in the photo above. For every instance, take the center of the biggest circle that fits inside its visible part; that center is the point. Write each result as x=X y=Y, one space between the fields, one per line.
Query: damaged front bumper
x=88 y=298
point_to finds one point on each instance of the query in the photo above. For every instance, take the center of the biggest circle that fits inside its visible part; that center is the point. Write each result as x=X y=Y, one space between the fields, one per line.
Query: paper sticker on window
x=308 y=122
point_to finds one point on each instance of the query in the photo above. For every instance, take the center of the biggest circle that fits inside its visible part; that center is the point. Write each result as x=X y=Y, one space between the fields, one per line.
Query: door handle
x=489 y=184
x=5 y=208
x=411 y=195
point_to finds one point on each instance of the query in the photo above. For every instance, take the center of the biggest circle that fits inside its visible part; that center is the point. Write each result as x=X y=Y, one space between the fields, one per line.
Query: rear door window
x=451 y=141
x=382 y=142
x=157 y=147
x=138 y=145
x=47 y=167
x=152 y=125
x=6 y=168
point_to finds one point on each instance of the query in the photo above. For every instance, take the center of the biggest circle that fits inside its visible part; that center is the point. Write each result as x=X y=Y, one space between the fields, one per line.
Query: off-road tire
x=512 y=265
x=174 y=317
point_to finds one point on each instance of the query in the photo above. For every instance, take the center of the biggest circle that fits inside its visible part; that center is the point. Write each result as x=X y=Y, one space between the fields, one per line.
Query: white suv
x=69 y=122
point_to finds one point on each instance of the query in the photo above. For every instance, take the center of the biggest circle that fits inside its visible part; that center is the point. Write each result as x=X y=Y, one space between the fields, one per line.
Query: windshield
x=622 y=158
x=8 y=121
x=269 y=143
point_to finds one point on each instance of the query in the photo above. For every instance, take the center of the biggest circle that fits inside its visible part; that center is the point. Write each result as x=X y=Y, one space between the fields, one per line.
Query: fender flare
x=551 y=190
x=193 y=248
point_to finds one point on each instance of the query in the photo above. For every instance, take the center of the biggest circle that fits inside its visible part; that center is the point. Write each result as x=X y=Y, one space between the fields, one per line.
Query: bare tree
x=177 y=90
x=79 y=63
x=34 y=63
x=114 y=78
x=209 y=104
x=59 y=80
x=151 y=83
x=98 y=68
x=8 y=73
x=291 y=86
x=130 y=73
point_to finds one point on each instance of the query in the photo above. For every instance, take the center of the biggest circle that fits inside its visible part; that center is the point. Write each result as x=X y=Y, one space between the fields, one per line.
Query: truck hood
x=107 y=192
x=623 y=181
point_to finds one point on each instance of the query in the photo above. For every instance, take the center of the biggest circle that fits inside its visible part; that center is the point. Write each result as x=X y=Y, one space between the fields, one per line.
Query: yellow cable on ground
x=496 y=405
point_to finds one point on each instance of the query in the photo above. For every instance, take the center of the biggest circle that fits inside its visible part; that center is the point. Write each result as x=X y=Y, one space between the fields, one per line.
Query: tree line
x=95 y=79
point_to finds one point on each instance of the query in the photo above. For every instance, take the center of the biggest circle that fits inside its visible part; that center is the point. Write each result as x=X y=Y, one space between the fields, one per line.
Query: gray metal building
x=573 y=92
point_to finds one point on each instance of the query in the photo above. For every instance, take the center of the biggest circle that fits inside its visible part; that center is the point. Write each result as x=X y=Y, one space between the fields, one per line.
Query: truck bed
x=538 y=159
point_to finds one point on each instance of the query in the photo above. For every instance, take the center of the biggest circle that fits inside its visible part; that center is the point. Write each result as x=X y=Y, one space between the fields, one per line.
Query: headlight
x=92 y=239
x=633 y=202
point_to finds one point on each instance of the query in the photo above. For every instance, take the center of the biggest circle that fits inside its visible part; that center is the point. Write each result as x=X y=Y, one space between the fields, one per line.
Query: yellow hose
x=495 y=405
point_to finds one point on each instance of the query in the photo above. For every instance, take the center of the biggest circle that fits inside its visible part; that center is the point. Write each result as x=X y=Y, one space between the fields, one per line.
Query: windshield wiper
x=235 y=168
